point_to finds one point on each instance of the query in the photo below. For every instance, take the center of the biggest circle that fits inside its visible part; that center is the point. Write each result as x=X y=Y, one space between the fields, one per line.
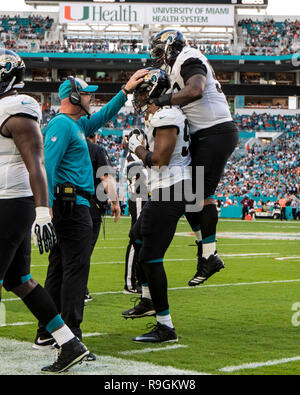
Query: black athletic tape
x=148 y=159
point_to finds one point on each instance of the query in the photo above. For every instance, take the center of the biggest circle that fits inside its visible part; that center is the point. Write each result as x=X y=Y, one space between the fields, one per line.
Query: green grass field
x=241 y=321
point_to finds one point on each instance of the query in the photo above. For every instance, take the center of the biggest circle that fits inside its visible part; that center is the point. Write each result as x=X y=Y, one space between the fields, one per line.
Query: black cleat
x=90 y=357
x=144 y=309
x=159 y=334
x=206 y=268
x=69 y=354
x=87 y=298
x=42 y=342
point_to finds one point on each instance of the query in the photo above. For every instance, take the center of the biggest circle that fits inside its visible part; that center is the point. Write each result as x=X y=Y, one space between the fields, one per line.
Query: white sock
x=165 y=320
x=208 y=249
x=146 y=292
x=63 y=335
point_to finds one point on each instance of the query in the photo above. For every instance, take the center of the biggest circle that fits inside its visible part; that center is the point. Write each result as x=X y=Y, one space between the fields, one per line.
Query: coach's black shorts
x=156 y=226
x=16 y=219
x=211 y=148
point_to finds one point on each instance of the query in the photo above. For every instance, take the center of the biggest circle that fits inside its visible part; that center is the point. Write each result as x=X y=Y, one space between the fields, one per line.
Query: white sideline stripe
x=24 y=360
x=266 y=254
x=255 y=365
x=17 y=324
x=212 y=286
x=199 y=287
x=146 y=350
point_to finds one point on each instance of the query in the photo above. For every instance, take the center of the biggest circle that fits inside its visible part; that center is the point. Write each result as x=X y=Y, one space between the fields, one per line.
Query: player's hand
x=116 y=211
x=164 y=100
x=135 y=79
x=43 y=233
x=135 y=139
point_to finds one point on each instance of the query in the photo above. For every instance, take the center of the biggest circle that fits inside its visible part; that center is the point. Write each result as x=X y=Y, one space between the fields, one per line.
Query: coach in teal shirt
x=67 y=159
x=66 y=152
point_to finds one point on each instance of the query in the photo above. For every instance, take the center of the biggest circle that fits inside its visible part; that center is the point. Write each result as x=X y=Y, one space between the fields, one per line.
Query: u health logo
x=101 y=13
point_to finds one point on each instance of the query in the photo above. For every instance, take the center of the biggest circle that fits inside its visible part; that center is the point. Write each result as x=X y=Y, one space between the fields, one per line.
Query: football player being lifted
x=214 y=135
x=167 y=160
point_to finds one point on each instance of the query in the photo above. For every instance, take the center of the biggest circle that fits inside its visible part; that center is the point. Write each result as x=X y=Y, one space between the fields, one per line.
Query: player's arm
x=28 y=138
x=164 y=144
x=193 y=90
x=193 y=72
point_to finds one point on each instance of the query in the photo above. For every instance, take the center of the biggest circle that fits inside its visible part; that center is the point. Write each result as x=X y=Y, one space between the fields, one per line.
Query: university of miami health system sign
x=147 y=14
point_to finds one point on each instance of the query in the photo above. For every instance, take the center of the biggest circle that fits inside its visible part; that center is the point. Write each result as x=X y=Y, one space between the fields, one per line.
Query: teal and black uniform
x=66 y=152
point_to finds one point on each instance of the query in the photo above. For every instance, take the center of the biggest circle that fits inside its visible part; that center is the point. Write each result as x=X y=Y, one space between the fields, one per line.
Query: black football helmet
x=12 y=71
x=166 y=46
x=154 y=84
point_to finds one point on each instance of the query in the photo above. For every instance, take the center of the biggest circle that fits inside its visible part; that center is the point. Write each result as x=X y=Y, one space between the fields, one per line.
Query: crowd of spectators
x=115 y=148
x=267 y=122
x=271 y=171
x=269 y=37
x=32 y=27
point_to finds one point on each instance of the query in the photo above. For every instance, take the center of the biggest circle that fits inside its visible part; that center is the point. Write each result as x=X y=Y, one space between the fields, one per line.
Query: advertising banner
x=147 y=14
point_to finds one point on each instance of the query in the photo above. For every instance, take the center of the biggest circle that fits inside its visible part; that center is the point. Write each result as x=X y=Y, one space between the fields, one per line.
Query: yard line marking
x=255 y=365
x=238 y=284
x=200 y=287
x=93 y=334
x=24 y=361
x=249 y=235
x=266 y=254
x=145 y=350
x=213 y=286
x=17 y=324
x=287 y=257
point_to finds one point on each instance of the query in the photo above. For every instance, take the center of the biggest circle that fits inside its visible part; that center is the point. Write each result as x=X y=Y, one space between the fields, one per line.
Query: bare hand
x=116 y=211
x=136 y=79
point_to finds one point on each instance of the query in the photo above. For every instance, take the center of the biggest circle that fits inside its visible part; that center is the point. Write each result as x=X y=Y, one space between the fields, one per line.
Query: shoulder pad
x=167 y=116
x=189 y=52
x=23 y=104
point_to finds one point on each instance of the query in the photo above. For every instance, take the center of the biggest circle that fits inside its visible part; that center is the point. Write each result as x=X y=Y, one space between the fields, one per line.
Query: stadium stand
x=269 y=37
x=253 y=61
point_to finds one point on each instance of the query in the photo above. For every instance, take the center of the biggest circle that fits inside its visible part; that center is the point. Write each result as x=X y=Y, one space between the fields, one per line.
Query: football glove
x=43 y=233
x=164 y=100
x=135 y=139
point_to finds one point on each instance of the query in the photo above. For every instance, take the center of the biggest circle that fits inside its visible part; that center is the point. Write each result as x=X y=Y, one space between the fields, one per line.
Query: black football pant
x=211 y=148
x=69 y=264
x=152 y=234
x=132 y=271
x=16 y=219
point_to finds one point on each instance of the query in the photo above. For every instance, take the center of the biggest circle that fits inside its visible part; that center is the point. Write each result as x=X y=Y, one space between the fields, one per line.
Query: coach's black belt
x=68 y=191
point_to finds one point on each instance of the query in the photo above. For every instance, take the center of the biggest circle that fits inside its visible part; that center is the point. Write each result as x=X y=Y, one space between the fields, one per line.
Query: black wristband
x=148 y=159
x=125 y=90
x=162 y=101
